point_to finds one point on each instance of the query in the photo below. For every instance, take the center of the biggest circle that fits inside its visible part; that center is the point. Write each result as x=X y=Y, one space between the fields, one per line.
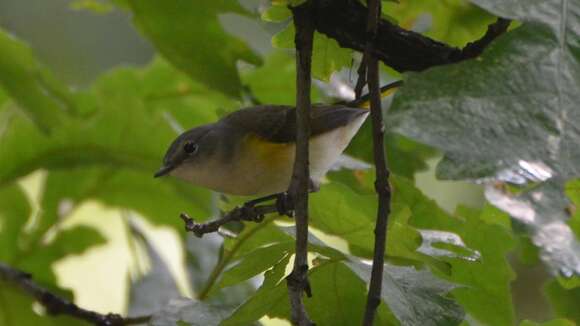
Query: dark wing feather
x=277 y=123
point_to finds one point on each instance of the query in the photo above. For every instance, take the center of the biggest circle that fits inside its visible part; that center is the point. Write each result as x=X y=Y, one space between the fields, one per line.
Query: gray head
x=187 y=148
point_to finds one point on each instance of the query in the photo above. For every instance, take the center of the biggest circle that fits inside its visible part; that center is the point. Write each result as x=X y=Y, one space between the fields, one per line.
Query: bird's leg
x=249 y=207
x=285 y=204
x=260 y=200
x=284 y=201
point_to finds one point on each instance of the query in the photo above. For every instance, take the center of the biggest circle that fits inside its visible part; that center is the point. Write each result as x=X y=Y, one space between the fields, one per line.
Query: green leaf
x=255 y=263
x=339 y=297
x=555 y=322
x=518 y=130
x=327 y=55
x=16 y=310
x=455 y=22
x=564 y=302
x=336 y=287
x=486 y=294
x=573 y=192
x=191 y=37
x=275 y=81
x=121 y=101
x=30 y=84
x=14 y=213
x=271 y=299
x=194 y=313
x=415 y=297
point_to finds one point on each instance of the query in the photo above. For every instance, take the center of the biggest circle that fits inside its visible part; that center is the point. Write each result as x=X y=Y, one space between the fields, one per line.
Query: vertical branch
x=298 y=279
x=382 y=186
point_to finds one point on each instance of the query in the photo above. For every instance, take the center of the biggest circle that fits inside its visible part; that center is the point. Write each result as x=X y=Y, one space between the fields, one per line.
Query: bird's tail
x=363 y=101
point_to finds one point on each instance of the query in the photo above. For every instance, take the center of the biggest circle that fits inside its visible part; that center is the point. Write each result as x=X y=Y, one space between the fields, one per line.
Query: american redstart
x=251 y=151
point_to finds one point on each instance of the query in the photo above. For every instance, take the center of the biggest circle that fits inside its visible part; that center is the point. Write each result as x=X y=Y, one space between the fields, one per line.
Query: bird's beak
x=163 y=171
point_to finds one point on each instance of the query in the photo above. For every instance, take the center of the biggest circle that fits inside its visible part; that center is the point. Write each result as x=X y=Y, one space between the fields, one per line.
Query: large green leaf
x=511 y=115
x=189 y=34
x=486 y=295
x=30 y=84
x=468 y=249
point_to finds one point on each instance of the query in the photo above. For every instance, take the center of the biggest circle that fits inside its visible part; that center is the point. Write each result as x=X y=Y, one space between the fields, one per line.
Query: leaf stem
x=227 y=257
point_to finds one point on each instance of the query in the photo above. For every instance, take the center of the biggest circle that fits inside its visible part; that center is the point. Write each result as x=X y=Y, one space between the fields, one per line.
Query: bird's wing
x=277 y=123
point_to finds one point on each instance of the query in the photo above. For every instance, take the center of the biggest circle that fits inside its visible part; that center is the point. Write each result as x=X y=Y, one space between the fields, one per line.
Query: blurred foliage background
x=93 y=92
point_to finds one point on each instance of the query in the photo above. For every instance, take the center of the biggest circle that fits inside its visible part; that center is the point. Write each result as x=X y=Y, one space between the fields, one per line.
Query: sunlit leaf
x=455 y=22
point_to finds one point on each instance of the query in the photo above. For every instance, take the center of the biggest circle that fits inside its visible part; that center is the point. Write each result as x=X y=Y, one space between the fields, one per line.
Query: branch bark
x=56 y=305
x=244 y=213
x=382 y=186
x=403 y=50
x=303 y=16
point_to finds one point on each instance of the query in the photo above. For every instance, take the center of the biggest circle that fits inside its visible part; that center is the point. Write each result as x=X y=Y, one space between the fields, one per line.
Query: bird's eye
x=190 y=148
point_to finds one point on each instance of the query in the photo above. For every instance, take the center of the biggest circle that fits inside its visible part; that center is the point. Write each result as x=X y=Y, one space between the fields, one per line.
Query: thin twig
x=362 y=77
x=243 y=213
x=297 y=281
x=475 y=48
x=382 y=186
x=56 y=305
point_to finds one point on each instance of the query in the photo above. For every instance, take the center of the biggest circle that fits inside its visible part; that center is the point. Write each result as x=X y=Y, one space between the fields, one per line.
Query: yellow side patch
x=269 y=153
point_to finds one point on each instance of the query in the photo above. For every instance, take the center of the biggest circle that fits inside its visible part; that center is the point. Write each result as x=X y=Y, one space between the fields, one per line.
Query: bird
x=250 y=152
